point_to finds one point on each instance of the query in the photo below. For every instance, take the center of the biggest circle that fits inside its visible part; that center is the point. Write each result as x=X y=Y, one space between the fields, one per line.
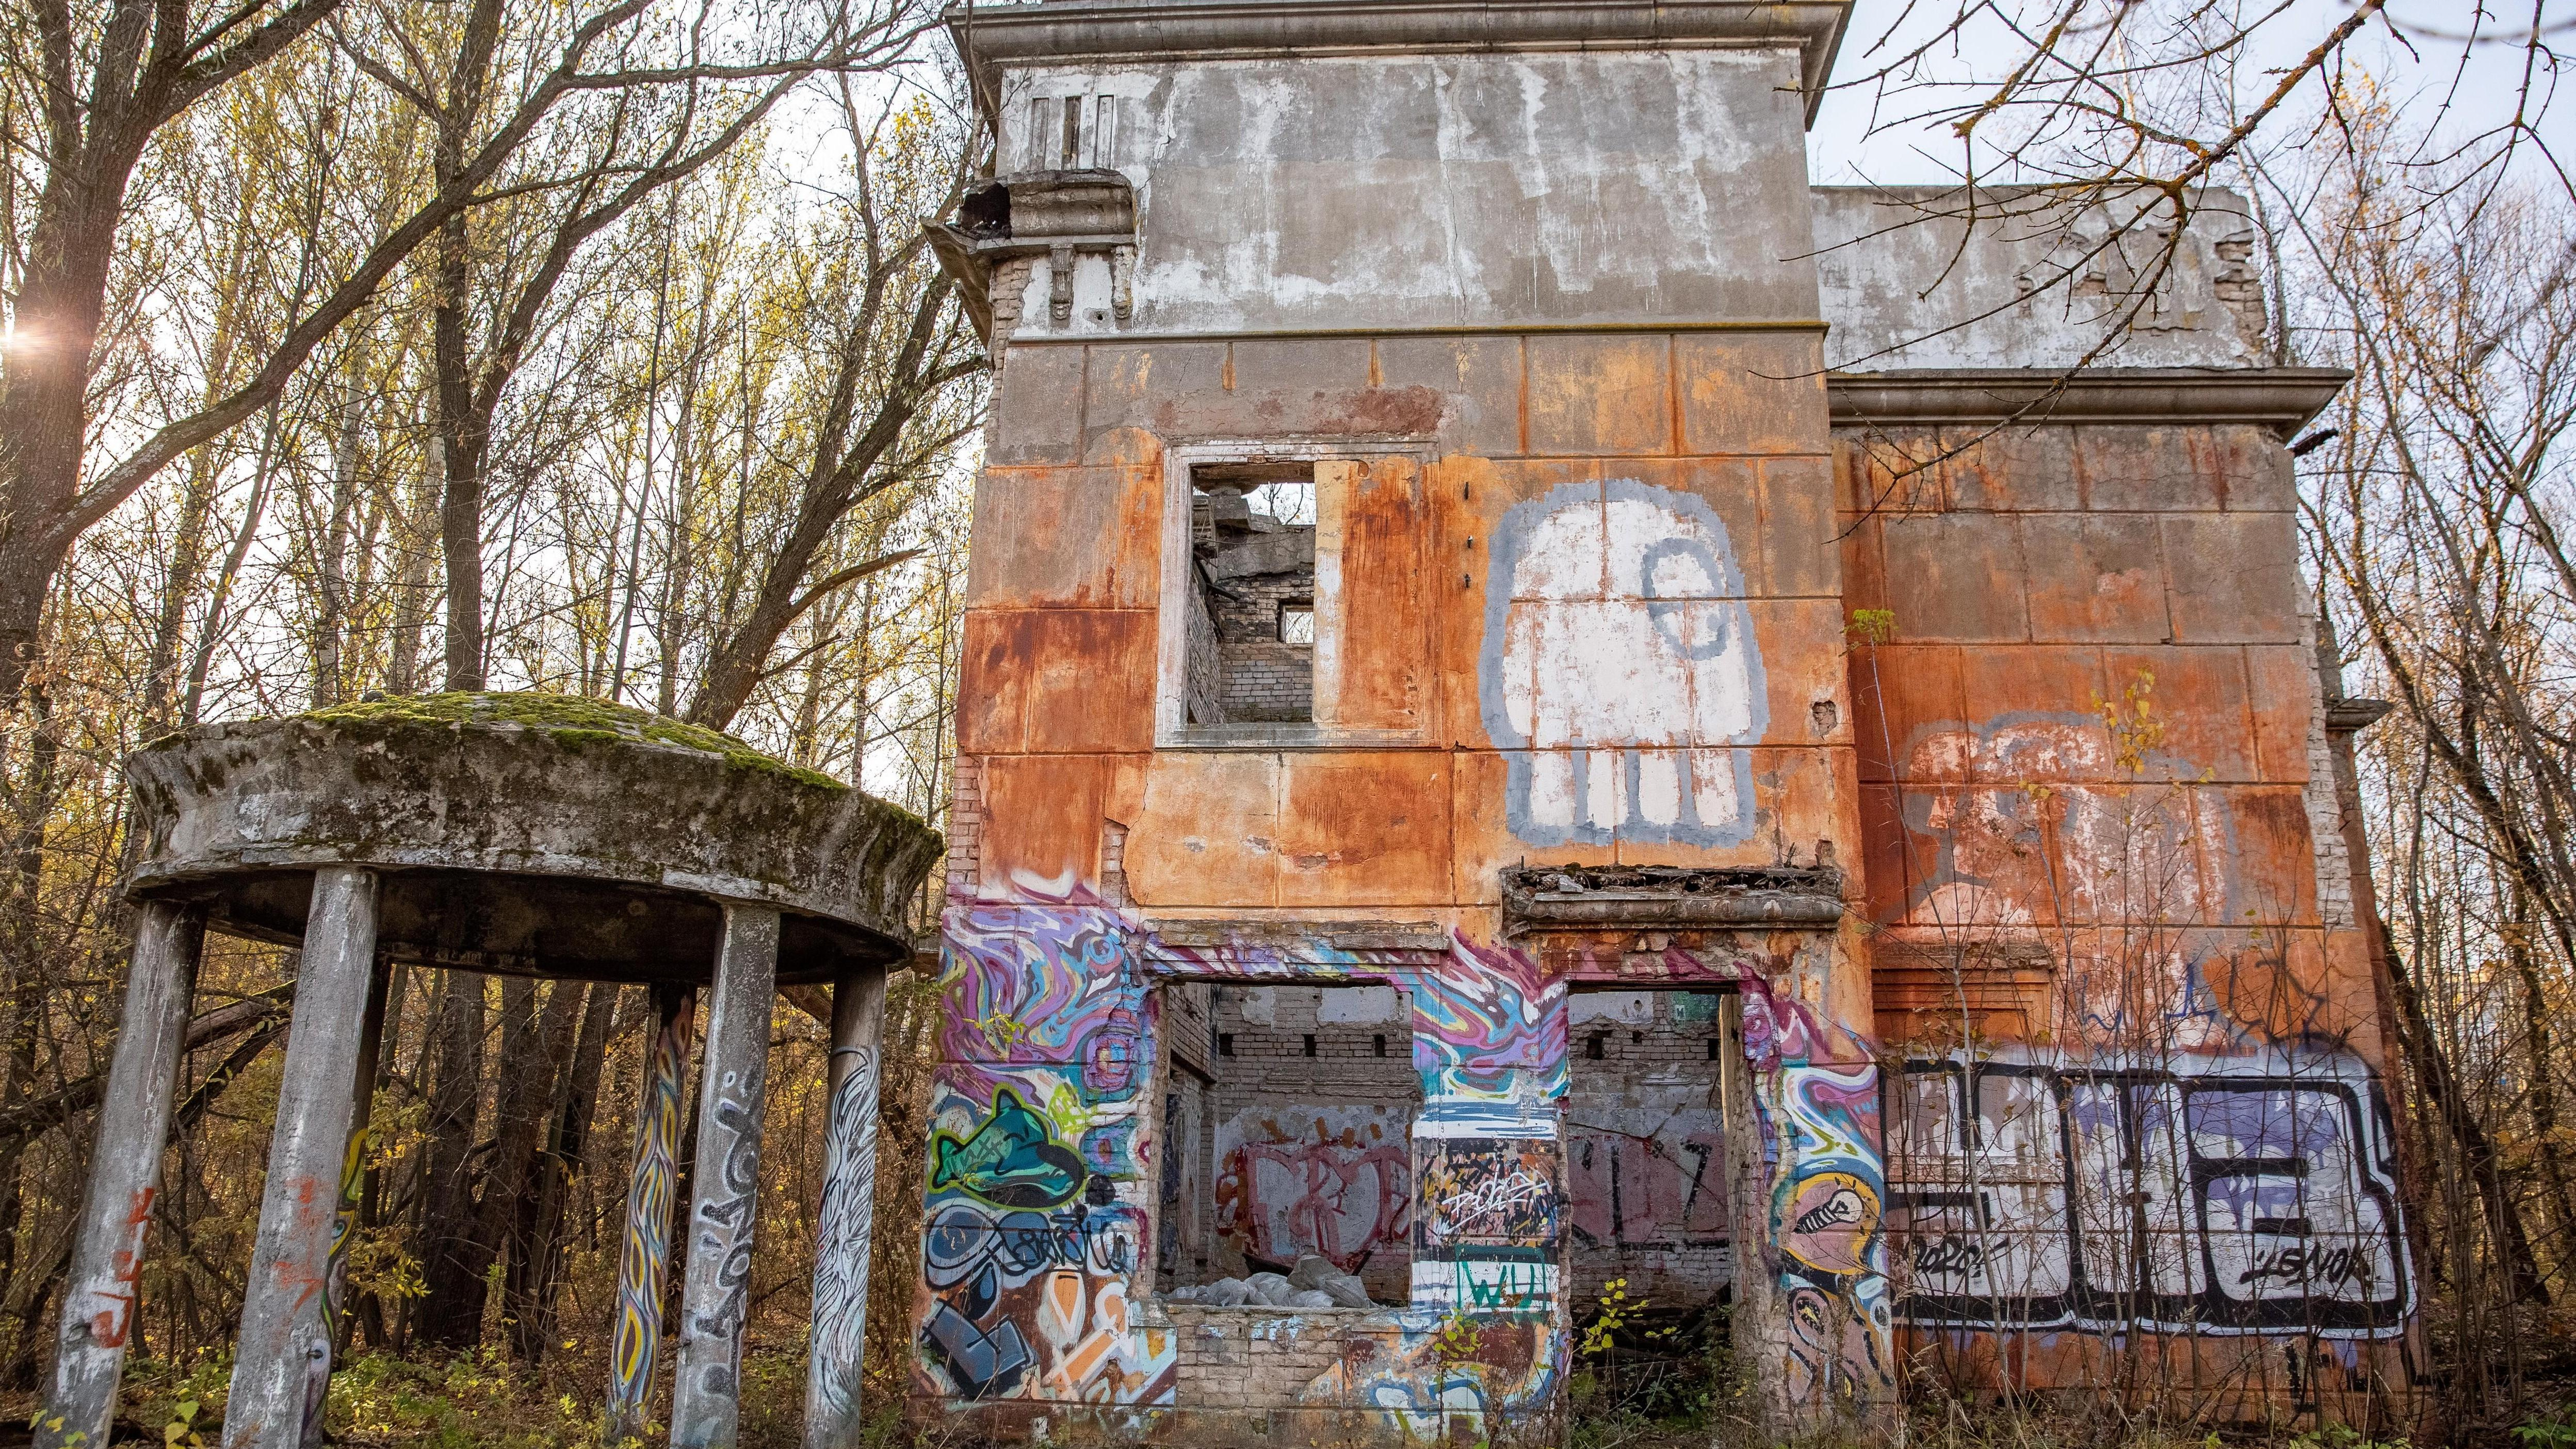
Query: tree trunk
x=450 y=1313
x=533 y=1041
x=533 y=1271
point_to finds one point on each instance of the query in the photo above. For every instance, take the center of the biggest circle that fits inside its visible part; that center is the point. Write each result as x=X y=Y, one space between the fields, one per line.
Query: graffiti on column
x=644 y=1258
x=1336 y=1182
x=1819 y=1120
x=724 y=1229
x=2216 y=1195
x=321 y=1330
x=1619 y=668
x=847 y=1221
x=1486 y=1238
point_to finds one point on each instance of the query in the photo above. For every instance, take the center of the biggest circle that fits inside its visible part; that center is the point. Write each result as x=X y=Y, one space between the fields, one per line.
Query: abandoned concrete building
x=1541 y=710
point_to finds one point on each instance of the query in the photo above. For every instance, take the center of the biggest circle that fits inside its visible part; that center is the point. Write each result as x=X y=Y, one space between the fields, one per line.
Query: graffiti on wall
x=1827 y=1202
x=1620 y=669
x=1336 y=1182
x=1429 y=1380
x=1040 y=1179
x=1034 y=1206
x=1662 y=1186
x=2248 y=1194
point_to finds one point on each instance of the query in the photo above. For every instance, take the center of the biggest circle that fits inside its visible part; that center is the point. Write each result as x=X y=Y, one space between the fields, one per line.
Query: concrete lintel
x=2279 y=398
x=1151 y=30
x=1290 y=939
x=1653 y=896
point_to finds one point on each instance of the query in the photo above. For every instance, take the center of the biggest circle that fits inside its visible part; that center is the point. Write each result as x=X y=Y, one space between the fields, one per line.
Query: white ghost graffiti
x=1619 y=655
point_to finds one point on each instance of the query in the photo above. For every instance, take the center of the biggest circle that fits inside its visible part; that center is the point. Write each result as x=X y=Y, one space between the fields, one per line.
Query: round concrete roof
x=533 y=834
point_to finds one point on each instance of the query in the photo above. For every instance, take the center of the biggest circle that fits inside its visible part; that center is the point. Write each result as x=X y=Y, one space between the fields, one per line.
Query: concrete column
x=706 y=1405
x=644 y=1260
x=284 y=1363
x=125 y=1175
x=849 y=1209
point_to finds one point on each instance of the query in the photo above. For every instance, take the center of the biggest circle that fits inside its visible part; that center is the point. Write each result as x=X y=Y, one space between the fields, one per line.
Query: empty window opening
x=1252 y=619
x=1290 y=503
x=1287 y=1174
x=1646 y=1172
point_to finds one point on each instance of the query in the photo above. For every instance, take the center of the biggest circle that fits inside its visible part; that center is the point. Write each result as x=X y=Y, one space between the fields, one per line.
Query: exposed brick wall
x=1280 y=1125
x=2239 y=285
x=1246 y=1360
x=966 y=826
x=1204 y=668
x=1265 y=679
x=1645 y=1156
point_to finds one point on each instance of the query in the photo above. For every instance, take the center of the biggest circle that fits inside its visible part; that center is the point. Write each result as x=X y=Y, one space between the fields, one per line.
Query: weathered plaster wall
x=1590 y=595
x=1401 y=192
x=1657 y=508
x=2033 y=285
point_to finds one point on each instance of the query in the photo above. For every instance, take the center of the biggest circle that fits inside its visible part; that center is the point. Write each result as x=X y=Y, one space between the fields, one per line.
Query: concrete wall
x=2035 y=282
x=1402 y=192
x=2093 y=813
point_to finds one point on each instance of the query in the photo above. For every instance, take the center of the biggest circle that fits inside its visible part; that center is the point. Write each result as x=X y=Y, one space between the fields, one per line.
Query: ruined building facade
x=1541 y=710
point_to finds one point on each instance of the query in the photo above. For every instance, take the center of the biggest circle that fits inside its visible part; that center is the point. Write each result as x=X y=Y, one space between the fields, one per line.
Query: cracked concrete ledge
x=1669 y=896
x=1068 y=30
x=2278 y=398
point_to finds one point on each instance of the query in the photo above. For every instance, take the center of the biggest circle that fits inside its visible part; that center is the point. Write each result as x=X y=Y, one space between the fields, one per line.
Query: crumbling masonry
x=1822 y=807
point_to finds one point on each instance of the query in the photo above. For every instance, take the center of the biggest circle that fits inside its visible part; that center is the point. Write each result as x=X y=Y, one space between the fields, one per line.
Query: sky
x=2458 y=88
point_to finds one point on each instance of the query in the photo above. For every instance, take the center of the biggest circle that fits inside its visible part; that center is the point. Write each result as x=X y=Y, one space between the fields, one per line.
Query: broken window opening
x=1252 y=624
x=1287 y=1168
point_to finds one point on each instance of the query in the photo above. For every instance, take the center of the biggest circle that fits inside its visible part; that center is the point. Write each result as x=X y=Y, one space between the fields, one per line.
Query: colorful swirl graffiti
x=1038 y=1183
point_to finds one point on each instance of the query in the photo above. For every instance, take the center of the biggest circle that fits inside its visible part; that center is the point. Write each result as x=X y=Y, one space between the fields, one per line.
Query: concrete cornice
x=2279 y=398
x=1063 y=31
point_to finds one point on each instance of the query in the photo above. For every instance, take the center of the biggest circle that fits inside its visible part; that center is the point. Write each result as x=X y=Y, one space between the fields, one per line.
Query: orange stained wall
x=2087 y=737
x=1065 y=603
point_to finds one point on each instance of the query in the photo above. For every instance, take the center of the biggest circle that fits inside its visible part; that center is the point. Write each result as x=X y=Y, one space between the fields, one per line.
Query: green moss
x=570 y=720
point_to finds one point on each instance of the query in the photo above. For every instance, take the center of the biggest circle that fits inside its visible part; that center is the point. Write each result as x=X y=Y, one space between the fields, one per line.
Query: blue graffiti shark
x=1012 y=1160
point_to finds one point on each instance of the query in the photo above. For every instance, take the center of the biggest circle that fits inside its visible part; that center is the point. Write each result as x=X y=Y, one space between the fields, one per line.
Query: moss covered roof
x=572 y=720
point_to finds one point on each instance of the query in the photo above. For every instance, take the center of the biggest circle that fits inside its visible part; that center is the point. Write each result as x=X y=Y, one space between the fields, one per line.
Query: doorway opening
x=1650 y=1237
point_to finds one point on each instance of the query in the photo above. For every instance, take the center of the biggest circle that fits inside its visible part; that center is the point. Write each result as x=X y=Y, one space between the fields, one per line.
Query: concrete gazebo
x=518 y=833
